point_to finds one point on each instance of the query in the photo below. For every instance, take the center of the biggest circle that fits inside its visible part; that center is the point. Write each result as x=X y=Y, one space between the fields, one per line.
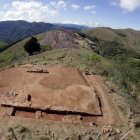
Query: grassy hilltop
x=128 y=37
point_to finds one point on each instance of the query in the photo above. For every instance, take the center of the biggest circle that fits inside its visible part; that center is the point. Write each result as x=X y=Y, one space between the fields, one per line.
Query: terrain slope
x=94 y=95
x=128 y=37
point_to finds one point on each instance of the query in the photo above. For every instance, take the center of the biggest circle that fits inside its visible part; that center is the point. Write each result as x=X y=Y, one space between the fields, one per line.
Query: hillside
x=117 y=84
x=106 y=59
x=129 y=38
x=12 y=31
x=3 y=46
x=59 y=39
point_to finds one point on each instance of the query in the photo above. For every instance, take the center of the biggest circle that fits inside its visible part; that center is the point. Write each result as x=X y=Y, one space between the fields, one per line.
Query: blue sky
x=94 y=13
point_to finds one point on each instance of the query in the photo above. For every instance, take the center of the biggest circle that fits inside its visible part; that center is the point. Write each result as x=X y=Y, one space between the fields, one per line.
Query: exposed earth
x=56 y=95
x=57 y=91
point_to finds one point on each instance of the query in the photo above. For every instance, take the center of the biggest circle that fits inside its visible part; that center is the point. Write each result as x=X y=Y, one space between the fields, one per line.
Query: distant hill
x=79 y=27
x=11 y=31
x=127 y=37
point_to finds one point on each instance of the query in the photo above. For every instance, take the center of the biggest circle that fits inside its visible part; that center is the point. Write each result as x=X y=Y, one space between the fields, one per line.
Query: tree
x=32 y=46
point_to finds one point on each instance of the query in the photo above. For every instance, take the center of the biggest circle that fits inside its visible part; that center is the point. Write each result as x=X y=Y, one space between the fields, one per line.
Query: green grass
x=127 y=37
x=3 y=44
x=6 y=58
x=17 y=50
x=46 y=48
x=94 y=58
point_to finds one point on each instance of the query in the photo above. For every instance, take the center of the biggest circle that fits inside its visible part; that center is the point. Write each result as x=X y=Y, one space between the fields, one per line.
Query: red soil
x=62 y=89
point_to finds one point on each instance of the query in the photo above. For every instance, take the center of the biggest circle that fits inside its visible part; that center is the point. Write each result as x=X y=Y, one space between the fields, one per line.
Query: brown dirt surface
x=111 y=114
x=59 y=39
x=63 y=90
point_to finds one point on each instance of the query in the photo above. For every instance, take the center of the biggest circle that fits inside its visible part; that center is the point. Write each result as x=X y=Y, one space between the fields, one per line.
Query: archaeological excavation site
x=57 y=93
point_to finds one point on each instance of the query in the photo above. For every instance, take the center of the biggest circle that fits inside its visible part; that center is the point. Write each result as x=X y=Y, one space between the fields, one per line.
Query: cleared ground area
x=58 y=89
x=57 y=93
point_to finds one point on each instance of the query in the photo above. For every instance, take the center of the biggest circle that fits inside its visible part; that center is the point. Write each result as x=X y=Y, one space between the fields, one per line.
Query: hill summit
x=59 y=39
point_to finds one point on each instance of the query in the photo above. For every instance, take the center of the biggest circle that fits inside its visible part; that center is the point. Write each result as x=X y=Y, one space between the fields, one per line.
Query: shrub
x=95 y=39
x=32 y=46
x=135 y=62
x=93 y=58
x=81 y=34
x=121 y=35
x=46 y=47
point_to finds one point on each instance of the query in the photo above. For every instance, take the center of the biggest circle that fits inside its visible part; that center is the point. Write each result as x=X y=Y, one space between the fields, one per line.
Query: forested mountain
x=11 y=31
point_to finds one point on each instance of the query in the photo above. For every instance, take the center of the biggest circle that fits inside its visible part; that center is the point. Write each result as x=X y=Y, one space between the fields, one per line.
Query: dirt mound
x=59 y=39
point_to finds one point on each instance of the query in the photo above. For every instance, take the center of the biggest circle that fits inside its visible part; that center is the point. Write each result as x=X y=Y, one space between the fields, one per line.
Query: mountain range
x=12 y=31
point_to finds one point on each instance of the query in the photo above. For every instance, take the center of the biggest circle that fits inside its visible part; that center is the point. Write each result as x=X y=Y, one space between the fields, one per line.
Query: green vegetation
x=11 y=31
x=46 y=48
x=128 y=38
x=23 y=130
x=15 y=52
x=93 y=58
x=3 y=46
x=6 y=58
x=94 y=39
x=32 y=46
x=81 y=34
x=121 y=34
x=124 y=65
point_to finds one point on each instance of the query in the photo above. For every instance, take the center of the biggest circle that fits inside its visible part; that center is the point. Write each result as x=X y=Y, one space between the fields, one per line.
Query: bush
x=125 y=69
x=94 y=39
x=121 y=35
x=81 y=34
x=32 y=46
x=93 y=58
x=46 y=47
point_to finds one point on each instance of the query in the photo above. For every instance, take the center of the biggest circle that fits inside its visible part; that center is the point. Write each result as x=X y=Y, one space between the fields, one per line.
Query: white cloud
x=94 y=24
x=90 y=7
x=75 y=7
x=73 y=22
x=93 y=12
x=67 y=22
x=129 y=5
x=114 y=3
x=31 y=10
x=6 y=6
x=59 y=4
x=126 y=5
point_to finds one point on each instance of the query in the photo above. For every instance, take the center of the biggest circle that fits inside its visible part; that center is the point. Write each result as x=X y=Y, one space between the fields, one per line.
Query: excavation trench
x=29 y=110
x=62 y=92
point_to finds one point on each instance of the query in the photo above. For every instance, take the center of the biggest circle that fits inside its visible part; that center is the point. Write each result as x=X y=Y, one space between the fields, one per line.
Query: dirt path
x=111 y=114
